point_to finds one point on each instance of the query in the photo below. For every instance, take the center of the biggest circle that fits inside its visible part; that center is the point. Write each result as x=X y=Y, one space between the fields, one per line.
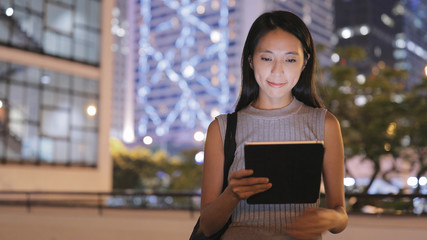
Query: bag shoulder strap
x=229 y=146
x=229 y=149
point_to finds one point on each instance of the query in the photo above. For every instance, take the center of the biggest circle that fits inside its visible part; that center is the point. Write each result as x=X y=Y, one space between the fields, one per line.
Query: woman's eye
x=265 y=59
x=291 y=60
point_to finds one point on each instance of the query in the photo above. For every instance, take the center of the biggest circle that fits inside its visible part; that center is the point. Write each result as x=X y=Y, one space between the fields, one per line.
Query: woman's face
x=278 y=61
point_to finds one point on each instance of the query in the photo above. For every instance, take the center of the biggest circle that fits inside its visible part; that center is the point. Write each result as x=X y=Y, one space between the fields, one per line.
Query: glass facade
x=396 y=34
x=47 y=117
x=69 y=29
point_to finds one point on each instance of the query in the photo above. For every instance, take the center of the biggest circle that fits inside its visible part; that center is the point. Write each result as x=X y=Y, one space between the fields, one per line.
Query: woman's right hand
x=243 y=186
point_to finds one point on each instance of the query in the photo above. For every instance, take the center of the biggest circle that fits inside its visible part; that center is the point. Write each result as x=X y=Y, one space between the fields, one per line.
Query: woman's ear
x=305 y=62
x=251 y=62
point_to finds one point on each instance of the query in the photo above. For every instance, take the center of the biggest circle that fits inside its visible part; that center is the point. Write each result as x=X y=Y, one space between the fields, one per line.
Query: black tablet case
x=293 y=168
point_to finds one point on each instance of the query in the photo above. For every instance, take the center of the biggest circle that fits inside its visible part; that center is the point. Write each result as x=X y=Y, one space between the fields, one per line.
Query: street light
x=9 y=11
x=199 y=136
x=91 y=110
x=147 y=140
x=425 y=70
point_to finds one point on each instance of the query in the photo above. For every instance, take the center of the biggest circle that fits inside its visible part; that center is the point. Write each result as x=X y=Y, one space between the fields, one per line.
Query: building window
x=68 y=29
x=45 y=117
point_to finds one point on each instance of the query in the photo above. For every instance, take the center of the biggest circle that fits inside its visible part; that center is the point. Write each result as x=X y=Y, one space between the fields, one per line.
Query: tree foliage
x=141 y=168
x=414 y=123
x=370 y=108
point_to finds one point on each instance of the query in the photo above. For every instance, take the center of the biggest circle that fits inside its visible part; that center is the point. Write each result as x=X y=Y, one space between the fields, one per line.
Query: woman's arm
x=215 y=211
x=333 y=172
x=313 y=222
x=217 y=207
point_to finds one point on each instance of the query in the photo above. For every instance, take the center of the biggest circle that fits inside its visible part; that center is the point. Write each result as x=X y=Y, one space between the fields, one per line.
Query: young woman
x=278 y=102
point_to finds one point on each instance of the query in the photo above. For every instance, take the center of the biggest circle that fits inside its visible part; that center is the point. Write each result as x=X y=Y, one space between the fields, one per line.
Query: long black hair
x=305 y=89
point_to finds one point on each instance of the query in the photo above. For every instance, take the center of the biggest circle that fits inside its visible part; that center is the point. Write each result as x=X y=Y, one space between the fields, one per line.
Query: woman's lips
x=276 y=85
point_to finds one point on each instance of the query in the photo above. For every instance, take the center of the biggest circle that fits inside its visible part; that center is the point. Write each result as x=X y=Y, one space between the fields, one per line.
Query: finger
x=243 y=192
x=248 y=181
x=241 y=173
x=253 y=188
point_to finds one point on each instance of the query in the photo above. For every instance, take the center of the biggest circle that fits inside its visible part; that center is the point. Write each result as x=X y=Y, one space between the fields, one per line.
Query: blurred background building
x=183 y=72
x=55 y=95
x=392 y=32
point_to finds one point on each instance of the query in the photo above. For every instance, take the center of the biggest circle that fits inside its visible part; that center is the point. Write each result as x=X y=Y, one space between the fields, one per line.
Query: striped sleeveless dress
x=295 y=122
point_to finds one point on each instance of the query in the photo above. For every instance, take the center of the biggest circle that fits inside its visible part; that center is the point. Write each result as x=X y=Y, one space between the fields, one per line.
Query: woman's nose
x=277 y=67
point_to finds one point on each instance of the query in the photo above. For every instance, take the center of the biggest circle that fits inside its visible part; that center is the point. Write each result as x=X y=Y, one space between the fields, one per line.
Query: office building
x=392 y=32
x=125 y=48
x=187 y=70
x=55 y=95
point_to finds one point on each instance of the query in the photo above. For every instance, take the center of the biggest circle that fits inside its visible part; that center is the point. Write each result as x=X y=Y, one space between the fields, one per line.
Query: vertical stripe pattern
x=295 y=122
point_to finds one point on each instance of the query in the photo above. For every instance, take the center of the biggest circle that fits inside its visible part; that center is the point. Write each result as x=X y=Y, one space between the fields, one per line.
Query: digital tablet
x=293 y=168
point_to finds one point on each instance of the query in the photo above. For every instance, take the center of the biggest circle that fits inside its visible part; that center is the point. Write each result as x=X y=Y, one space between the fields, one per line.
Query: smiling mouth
x=276 y=85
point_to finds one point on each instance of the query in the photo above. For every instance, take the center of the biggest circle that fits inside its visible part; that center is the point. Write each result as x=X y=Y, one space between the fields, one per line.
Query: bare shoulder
x=333 y=137
x=213 y=131
x=213 y=142
x=331 y=119
x=331 y=122
x=213 y=125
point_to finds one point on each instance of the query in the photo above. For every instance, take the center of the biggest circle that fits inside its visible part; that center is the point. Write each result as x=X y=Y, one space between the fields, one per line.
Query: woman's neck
x=268 y=105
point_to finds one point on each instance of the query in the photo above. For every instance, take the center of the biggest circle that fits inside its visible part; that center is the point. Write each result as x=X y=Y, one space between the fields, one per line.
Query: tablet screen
x=294 y=169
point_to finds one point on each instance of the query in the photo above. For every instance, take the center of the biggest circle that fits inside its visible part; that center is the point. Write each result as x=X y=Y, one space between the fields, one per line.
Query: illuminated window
x=387 y=20
x=67 y=29
x=43 y=118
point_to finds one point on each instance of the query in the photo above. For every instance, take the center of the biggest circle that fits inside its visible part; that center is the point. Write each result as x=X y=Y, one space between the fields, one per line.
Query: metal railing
x=102 y=200
x=392 y=204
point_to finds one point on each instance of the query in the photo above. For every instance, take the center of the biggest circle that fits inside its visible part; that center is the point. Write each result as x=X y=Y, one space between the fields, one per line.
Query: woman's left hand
x=312 y=223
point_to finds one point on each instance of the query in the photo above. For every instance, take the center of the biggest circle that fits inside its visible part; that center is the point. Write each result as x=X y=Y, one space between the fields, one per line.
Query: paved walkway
x=71 y=224
x=76 y=223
